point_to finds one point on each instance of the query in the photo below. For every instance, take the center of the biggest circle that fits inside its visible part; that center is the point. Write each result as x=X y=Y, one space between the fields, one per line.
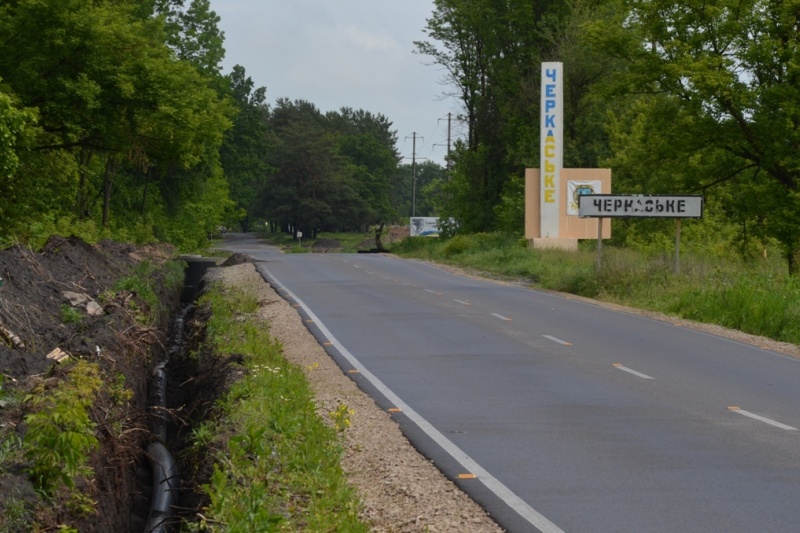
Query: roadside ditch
x=79 y=421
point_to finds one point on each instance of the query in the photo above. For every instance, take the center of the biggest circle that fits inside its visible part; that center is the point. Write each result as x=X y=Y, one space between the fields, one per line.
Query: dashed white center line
x=631 y=371
x=433 y=292
x=462 y=302
x=356 y=266
x=556 y=339
x=501 y=317
x=754 y=416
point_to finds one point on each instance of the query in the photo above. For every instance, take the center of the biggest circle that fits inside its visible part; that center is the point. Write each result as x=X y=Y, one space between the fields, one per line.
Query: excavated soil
x=40 y=315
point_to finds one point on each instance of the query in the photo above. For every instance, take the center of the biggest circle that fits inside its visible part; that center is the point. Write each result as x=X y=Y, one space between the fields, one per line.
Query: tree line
x=117 y=121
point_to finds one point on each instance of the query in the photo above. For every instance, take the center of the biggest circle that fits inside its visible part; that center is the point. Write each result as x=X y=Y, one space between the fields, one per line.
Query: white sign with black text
x=639 y=205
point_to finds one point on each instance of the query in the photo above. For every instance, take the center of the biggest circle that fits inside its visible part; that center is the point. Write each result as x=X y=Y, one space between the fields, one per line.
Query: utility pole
x=414 y=174
x=449 y=140
x=449 y=116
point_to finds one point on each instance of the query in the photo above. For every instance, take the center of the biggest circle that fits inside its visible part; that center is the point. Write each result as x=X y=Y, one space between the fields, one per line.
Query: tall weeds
x=277 y=463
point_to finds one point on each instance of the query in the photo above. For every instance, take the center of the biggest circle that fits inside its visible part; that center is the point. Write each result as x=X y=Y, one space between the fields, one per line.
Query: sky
x=345 y=53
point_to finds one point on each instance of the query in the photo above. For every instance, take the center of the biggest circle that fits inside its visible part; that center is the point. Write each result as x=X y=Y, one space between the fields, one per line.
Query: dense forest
x=116 y=120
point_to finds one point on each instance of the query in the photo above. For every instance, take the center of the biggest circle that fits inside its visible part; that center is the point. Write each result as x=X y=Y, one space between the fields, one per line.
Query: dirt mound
x=388 y=236
x=396 y=233
x=61 y=302
x=237 y=259
x=326 y=245
x=33 y=303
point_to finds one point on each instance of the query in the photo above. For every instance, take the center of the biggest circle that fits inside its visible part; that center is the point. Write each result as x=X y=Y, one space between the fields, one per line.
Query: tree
x=430 y=178
x=369 y=144
x=116 y=111
x=728 y=70
x=311 y=188
x=16 y=130
x=491 y=52
x=193 y=33
x=244 y=152
x=14 y=123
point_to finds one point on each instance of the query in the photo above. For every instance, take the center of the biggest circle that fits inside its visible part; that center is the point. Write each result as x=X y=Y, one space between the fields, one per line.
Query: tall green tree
x=116 y=111
x=491 y=53
x=193 y=33
x=370 y=146
x=244 y=152
x=723 y=78
x=311 y=188
x=331 y=172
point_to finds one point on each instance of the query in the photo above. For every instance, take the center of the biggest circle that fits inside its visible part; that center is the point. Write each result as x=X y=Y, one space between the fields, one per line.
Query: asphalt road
x=557 y=414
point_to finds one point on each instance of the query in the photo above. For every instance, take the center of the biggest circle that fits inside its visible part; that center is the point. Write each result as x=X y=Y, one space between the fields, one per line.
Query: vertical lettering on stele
x=551 y=148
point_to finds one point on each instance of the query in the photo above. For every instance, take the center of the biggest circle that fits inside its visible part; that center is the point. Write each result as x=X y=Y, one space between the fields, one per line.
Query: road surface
x=553 y=413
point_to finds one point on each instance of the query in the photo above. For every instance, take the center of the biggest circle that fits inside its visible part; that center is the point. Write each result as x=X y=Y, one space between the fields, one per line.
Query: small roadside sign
x=602 y=206
x=639 y=205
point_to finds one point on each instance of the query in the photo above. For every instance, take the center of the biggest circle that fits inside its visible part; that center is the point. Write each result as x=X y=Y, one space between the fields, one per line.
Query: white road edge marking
x=501 y=317
x=556 y=339
x=762 y=419
x=631 y=371
x=493 y=484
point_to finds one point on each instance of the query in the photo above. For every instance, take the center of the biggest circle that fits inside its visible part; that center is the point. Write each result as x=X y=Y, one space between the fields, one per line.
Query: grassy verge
x=276 y=462
x=757 y=297
x=349 y=241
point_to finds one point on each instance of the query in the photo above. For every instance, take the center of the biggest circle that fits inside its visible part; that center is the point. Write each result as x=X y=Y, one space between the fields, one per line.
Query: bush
x=60 y=433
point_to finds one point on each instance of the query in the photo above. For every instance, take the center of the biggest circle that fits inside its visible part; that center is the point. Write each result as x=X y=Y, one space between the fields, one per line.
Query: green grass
x=349 y=241
x=70 y=315
x=143 y=281
x=757 y=297
x=277 y=465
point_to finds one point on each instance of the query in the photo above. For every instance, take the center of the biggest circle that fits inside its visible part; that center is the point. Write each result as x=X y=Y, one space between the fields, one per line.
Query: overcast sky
x=344 y=53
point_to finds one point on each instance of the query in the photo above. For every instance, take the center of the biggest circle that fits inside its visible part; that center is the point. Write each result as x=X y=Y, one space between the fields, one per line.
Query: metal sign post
x=602 y=206
x=599 y=242
x=677 y=267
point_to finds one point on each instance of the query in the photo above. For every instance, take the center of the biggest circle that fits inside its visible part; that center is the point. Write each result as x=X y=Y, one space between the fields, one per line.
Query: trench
x=164 y=472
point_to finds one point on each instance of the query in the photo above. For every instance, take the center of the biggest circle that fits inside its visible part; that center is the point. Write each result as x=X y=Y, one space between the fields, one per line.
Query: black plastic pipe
x=166 y=481
x=165 y=487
